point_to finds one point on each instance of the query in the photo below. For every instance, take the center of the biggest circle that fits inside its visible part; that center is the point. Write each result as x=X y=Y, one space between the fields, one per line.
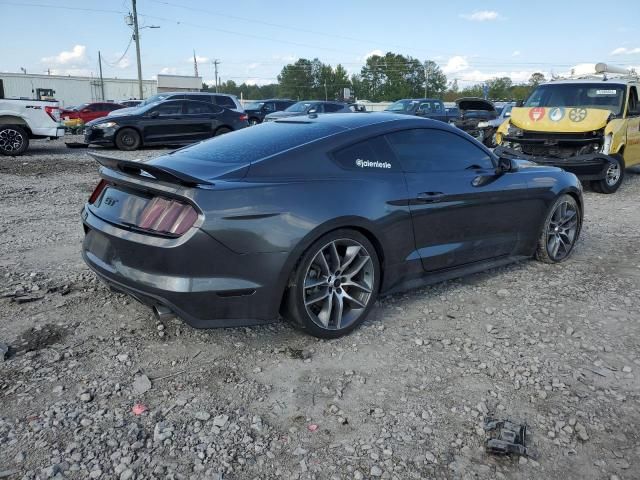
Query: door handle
x=430 y=197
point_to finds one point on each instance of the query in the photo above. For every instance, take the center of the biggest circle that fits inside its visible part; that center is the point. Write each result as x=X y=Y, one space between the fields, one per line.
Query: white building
x=70 y=90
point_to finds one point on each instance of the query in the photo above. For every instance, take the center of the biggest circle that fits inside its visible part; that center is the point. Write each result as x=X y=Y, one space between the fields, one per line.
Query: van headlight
x=514 y=131
x=606 y=146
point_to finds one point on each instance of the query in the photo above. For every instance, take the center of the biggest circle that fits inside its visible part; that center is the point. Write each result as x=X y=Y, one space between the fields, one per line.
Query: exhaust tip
x=162 y=313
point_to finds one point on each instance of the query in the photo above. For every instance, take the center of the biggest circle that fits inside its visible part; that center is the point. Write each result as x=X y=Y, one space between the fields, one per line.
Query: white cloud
x=77 y=56
x=376 y=52
x=169 y=71
x=482 y=16
x=456 y=64
x=625 y=51
x=199 y=59
x=516 y=53
x=287 y=57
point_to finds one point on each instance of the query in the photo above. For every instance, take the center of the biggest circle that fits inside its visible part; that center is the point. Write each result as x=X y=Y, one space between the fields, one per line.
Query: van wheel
x=14 y=140
x=613 y=176
x=335 y=285
x=128 y=139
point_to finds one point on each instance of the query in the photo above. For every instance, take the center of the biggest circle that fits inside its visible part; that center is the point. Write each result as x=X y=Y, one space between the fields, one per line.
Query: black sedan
x=315 y=217
x=174 y=122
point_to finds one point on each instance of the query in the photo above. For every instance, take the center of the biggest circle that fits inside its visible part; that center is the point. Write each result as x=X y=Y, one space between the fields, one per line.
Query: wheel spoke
x=322 y=263
x=357 y=266
x=325 y=314
x=570 y=216
x=350 y=255
x=335 y=258
x=553 y=246
x=339 y=307
x=317 y=297
x=315 y=282
x=358 y=285
x=352 y=300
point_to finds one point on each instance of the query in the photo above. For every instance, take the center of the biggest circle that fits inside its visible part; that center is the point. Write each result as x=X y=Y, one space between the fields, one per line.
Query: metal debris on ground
x=506 y=437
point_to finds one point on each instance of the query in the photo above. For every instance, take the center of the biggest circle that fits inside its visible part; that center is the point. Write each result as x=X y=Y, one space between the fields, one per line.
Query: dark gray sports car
x=313 y=218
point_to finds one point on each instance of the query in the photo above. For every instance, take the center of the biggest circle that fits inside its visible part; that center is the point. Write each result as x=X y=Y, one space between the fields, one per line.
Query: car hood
x=559 y=119
x=122 y=111
x=475 y=104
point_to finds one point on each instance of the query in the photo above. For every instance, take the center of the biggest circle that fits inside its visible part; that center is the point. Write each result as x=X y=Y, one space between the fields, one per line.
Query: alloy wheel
x=10 y=140
x=562 y=230
x=613 y=174
x=128 y=140
x=338 y=284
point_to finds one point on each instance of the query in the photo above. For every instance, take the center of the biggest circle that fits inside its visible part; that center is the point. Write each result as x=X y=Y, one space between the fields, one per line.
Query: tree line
x=383 y=78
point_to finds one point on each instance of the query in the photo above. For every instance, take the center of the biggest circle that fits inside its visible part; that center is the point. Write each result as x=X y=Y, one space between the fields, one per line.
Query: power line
x=115 y=64
x=60 y=7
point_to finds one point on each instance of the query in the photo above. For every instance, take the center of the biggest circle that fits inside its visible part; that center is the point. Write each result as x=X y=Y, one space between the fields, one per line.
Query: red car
x=89 y=111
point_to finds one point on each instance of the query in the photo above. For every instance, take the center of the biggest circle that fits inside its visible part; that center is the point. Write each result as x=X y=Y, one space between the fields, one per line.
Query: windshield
x=506 y=110
x=254 y=106
x=586 y=95
x=299 y=107
x=403 y=106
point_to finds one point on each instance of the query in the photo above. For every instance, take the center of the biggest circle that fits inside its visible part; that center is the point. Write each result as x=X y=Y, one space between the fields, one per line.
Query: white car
x=22 y=120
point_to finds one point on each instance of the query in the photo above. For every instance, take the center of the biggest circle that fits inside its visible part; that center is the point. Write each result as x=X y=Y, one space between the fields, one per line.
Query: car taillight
x=244 y=117
x=167 y=216
x=53 y=112
x=97 y=191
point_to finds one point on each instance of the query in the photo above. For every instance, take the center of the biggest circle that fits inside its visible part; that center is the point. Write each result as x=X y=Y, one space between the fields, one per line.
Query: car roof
x=608 y=81
x=198 y=93
x=350 y=121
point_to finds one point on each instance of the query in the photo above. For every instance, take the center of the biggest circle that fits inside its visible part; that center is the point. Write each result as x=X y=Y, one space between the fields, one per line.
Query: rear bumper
x=55 y=131
x=197 y=278
x=585 y=167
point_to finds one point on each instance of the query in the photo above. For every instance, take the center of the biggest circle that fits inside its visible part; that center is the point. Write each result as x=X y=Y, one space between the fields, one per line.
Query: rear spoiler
x=133 y=167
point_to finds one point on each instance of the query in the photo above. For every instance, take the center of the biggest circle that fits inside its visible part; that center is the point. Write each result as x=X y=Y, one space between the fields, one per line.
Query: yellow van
x=589 y=126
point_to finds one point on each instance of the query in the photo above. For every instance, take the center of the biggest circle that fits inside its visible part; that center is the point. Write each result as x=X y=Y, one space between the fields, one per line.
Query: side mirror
x=504 y=165
x=507 y=114
x=85 y=110
x=155 y=114
x=312 y=110
x=520 y=103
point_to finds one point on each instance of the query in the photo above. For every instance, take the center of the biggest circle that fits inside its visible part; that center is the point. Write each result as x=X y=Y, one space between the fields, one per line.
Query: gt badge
x=556 y=114
x=577 y=114
x=536 y=113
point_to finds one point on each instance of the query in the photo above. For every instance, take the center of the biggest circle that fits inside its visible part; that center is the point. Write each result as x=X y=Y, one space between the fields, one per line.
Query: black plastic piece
x=506 y=437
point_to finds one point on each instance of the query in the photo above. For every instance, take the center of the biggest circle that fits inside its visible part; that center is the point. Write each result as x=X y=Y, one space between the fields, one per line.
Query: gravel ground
x=403 y=397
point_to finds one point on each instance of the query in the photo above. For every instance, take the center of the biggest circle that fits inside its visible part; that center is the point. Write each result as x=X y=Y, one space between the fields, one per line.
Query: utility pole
x=136 y=37
x=101 y=80
x=426 y=82
x=216 y=62
x=325 y=91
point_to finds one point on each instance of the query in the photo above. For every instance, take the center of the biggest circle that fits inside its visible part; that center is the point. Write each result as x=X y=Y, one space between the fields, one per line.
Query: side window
x=169 y=108
x=198 y=98
x=425 y=107
x=634 y=106
x=194 y=108
x=269 y=107
x=224 y=101
x=317 y=108
x=332 y=107
x=432 y=150
x=437 y=107
x=93 y=108
x=372 y=155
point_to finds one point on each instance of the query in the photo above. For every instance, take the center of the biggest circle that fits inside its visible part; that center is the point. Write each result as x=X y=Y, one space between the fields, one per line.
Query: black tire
x=351 y=279
x=254 y=121
x=561 y=225
x=613 y=177
x=221 y=131
x=14 y=140
x=128 y=139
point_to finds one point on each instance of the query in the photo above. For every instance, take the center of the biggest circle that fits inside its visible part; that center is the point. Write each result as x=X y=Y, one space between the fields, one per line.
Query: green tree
x=297 y=80
x=499 y=88
x=436 y=81
x=536 y=79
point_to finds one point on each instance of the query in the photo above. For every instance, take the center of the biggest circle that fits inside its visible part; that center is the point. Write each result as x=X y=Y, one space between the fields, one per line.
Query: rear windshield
x=255 y=143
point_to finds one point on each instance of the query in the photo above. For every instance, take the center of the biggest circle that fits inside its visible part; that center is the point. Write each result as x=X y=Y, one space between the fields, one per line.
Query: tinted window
x=431 y=150
x=199 y=98
x=317 y=108
x=269 y=107
x=200 y=107
x=332 y=107
x=371 y=155
x=168 y=108
x=226 y=102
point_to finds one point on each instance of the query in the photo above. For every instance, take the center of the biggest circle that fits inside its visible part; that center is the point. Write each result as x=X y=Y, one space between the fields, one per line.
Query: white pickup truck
x=21 y=120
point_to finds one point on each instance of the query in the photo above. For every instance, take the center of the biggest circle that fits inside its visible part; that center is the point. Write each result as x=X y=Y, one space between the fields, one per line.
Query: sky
x=472 y=41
